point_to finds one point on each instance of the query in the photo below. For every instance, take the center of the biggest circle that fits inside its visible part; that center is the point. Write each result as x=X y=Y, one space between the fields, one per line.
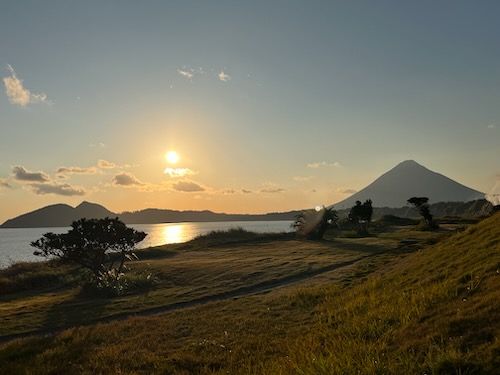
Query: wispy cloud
x=94 y=145
x=18 y=94
x=186 y=73
x=77 y=170
x=491 y=126
x=303 y=178
x=223 y=76
x=190 y=73
x=343 y=190
x=323 y=164
x=179 y=172
x=272 y=190
x=4 y=184
x=228 y=191
x=187 y=186
x=58 y=189
x=104 y=164
x=126 y=179
x=21 y=174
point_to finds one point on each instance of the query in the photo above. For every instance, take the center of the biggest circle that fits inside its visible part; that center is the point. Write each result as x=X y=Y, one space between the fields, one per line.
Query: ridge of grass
x=437 y=311
x=432 y=307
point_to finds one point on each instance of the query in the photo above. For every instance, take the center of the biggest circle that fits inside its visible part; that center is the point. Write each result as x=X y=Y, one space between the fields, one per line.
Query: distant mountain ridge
x=388 y=193
x=409 y=179
x=62 y=215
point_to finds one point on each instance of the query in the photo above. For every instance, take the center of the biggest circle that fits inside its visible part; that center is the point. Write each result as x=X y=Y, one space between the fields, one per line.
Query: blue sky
x=270 y=105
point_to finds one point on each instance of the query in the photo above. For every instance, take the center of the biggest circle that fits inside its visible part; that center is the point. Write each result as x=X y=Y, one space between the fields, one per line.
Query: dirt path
x=235 y=293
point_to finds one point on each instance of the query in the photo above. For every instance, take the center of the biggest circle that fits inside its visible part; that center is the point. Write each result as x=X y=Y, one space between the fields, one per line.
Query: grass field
x=242 y=303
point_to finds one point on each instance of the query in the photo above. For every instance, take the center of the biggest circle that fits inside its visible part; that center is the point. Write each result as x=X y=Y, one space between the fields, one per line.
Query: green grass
x=25 y=276
x=432 y=307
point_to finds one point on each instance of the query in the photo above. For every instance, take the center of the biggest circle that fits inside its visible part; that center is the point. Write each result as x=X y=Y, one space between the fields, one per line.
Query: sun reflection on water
x=173 y=234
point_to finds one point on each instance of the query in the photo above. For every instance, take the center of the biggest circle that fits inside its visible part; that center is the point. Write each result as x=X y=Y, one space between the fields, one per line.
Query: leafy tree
x=313 y=223
x=360 y=216
x=94 y=244
x=421 y=205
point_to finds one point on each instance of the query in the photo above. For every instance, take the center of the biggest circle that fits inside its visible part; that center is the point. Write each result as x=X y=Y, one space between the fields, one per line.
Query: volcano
x=410 y=179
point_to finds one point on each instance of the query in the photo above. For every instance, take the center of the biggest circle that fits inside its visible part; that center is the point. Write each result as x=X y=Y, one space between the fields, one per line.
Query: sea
x=15 y=242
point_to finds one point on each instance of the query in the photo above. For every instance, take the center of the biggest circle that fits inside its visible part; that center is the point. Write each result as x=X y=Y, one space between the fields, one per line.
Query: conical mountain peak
x=408 y=179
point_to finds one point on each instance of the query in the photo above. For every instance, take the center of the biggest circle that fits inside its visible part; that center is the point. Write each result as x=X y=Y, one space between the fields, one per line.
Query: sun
x=172 y=157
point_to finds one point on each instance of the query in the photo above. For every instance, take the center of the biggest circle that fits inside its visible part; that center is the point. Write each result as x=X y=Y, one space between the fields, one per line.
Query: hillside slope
x=437 y=311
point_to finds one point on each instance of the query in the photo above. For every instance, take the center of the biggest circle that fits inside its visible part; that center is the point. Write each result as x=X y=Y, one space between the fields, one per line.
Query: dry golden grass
x=186 y=273
x=403 y=310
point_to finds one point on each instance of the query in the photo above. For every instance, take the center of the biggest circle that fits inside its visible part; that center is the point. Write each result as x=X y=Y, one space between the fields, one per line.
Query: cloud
x=105 y=164
x=179 y=172
x=4 y=184
x=223 y=76
x=272 y=190
x=342 y=190
x=94 y=145
x=187 y=186
x=303 y=178
x=64 y=189
x=186 y=73
x=19 y=95
x=21 y=174
x=324 y=164
x=126 y=179
x=491 y=126
x=229 y=191
x=190 y=73
x=41 y=184
x=77 y=170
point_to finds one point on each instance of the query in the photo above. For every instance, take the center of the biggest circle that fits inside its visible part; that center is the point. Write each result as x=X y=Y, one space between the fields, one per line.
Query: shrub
x=94 y=244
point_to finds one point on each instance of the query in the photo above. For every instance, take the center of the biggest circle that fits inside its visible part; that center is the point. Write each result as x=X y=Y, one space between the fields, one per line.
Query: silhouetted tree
x=360 y=216
x=94 y=244
x=421 y=205
x=313 y=224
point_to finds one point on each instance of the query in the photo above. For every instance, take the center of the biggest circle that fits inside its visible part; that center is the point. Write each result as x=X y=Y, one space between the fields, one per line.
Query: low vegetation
x=25 y=276
x=345 y=305
x=313 y=224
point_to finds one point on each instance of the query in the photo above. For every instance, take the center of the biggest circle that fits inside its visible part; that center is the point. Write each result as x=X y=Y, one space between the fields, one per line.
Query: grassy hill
x=274 y=305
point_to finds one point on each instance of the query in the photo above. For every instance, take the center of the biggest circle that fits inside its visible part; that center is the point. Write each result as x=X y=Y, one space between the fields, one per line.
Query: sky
x=269 y=105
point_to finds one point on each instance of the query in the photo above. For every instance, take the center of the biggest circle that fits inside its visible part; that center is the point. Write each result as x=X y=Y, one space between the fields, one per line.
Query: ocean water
x=15 y=242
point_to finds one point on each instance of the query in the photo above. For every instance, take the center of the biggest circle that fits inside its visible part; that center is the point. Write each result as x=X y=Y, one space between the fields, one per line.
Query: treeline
x=471 y=209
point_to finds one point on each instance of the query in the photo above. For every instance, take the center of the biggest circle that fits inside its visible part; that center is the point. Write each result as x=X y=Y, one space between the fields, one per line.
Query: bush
x=110 y=284
x=93 y=244
x=236 y=233
x=424 y=225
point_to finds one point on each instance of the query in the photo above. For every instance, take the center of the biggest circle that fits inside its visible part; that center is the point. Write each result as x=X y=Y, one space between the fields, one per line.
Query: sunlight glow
x=172 y=157
x=173 y=234
x=178 y=172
